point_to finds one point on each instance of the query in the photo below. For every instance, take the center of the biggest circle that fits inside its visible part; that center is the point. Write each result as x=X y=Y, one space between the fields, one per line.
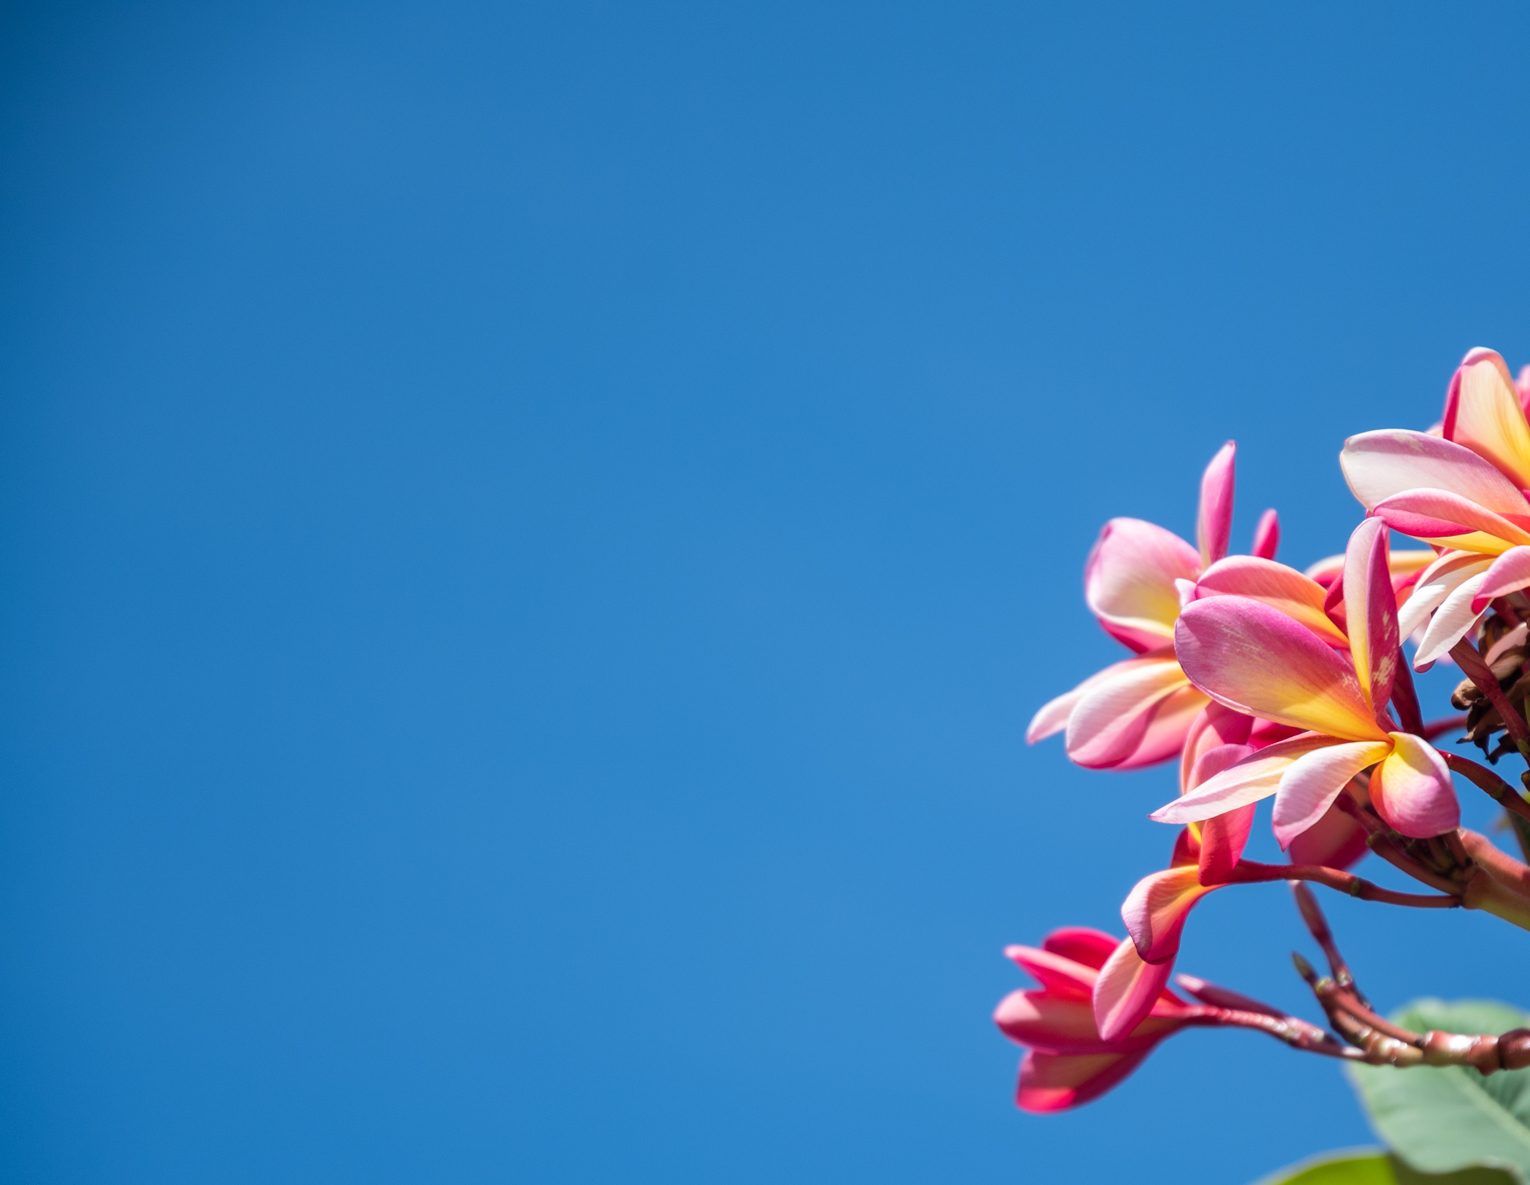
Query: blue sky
x=532 y=534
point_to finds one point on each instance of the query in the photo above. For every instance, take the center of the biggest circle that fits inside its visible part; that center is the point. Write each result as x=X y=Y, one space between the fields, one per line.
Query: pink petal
x=1411 y=790
x=1215 y=760
x=1435 y=583
x=1253 y=778
x=1298 y=596
x=1335 y=840
x=1085 y=946
x=1126 y=991
x=1051 y=1082
x=1370 y=611
x=1219 y=841
x=1510 y=573
x=1111 y=720
x=1156 y=908
x=1222 y=841
x=1051 y=1024
x=1059 y=975
x=1168 y=722
x=1255 y=659
x=1129 y=581
x=1448 y=519
x=1213 y=525
x=1267 y=535
x=1053 y=716
x=1312 y=782
x=1214 y=727
x=1451 y=622
x=1408 y=564
x=1483 y=412
x=1380 y=465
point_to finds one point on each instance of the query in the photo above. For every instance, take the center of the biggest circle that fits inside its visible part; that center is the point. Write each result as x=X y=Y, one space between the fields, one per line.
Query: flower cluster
x=1265 y=681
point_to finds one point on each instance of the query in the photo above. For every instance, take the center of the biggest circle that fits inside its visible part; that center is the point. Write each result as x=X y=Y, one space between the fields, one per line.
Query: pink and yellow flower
x=1255 y=658
x=1138 y=711
x=1069 y=1062
x=1463 y=492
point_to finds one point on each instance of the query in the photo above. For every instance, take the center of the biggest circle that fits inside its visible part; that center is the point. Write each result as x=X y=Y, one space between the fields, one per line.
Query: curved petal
x=1483 y=412
x=1210 y=762
x=1253 y=778
x=1255 y=659
x=1053 y=715
x=1126 y=991
x=1412 y=791
x=1510 y=573
x=1370 y=611
x=1048 y=1023
x=1082 y=944
x=1110 y=721
x=1219 y=840
x=1380 y=465
x=1214 y=727
x=1451 y=622
x=1052 y=1082
x=1058 y=975
x=1448 y=519
x=1129 y=580
x=1168 y=723
x=1435 y=583
x=1213 y=523
x=1267 y=535
x=1156 y=908
x=1335 y=840
x=1222 y=839
x=1312 y=782
x=1296 y=595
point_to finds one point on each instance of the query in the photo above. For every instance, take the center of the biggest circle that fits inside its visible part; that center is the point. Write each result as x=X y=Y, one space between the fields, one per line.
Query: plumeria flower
x=1251 y=656
x=1069 y=1062
x=1463 y=492
x=1406 y=564
x=1137 y=712
x=1206 y=854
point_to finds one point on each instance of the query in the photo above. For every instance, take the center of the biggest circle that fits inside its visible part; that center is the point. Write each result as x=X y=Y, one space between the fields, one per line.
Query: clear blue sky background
x=532 y=533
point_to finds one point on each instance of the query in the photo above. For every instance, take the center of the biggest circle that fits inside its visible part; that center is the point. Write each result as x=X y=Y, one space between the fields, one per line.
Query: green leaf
x=1439 y=1119
x=1377 y=1168
x=1337 y=1168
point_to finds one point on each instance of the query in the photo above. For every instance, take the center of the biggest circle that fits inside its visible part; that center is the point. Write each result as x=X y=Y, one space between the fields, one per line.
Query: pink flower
x=1138 y=711
x=1208 y=855
x=1463 y=491
x=1254 y=658
x=1069 y=1062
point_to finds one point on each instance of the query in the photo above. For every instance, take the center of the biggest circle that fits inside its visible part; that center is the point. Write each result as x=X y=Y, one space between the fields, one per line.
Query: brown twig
x=1478 y=671
x=1375 y=1039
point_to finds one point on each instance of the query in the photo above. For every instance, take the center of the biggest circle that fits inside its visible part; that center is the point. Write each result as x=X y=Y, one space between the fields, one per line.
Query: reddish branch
x=1370 y=1037
x=1490 y=783
x=1250 y=872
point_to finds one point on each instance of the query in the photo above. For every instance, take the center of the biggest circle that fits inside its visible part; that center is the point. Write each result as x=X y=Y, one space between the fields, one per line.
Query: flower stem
x=1251 y=872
